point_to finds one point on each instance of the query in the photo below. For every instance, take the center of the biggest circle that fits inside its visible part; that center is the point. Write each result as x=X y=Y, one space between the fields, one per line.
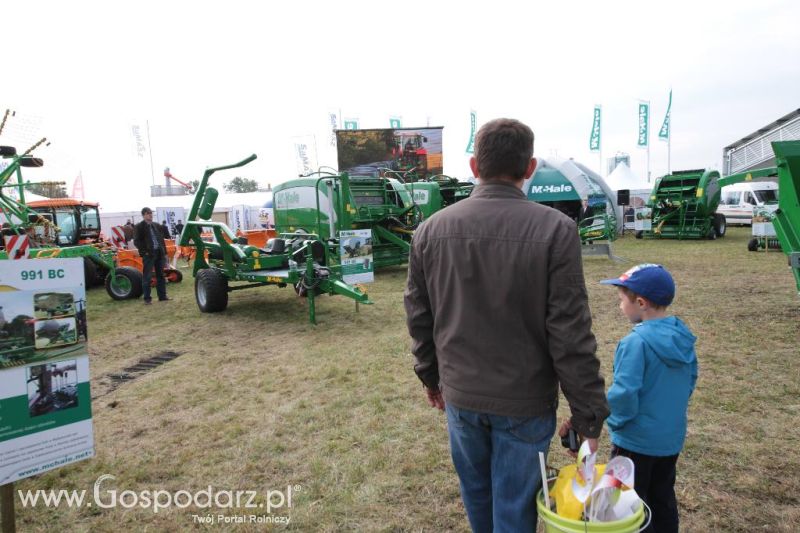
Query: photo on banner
x=405 y=150
x=356 y=256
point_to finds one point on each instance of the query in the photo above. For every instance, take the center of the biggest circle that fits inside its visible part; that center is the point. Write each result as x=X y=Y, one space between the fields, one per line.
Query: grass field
x=260 y=400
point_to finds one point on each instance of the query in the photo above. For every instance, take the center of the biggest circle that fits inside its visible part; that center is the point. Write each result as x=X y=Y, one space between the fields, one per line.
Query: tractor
x=409 y=154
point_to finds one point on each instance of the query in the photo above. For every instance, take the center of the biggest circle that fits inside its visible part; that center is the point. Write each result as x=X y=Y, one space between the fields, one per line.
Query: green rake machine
x=306 y=259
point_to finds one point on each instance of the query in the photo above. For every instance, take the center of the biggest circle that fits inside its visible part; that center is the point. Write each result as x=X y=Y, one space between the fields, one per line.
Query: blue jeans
x=150 y=263
x=497 y=460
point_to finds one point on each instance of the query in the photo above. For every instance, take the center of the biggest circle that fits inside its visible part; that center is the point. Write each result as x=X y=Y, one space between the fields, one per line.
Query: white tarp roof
x=623 y=178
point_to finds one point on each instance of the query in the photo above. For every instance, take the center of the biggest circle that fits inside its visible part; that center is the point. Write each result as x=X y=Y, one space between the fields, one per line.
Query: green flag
x=351 y=124
x=473 y=125
x=594 y=139
x=644 y=123
x=663 y=134
x=394 y=123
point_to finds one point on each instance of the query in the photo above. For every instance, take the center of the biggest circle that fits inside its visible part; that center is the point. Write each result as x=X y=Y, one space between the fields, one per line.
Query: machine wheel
x=31 y=162
x=7 y=151
x=720 y=224
x=102 y=274
x=211 y=291
x=89 y=273
x=173 y=275
x=124 y=284
x=639 y=234
x=752 y=245
x=712 y=233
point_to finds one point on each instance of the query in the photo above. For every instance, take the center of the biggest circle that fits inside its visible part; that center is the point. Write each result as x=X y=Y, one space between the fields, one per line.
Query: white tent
x=117 y=211
x=623 y=178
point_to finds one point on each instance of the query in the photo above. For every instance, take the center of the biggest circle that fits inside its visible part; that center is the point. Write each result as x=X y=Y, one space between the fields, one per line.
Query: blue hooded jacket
x=655 y=371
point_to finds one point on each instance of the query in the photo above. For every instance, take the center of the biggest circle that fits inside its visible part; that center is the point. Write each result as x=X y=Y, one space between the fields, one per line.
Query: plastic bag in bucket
x=558 y=524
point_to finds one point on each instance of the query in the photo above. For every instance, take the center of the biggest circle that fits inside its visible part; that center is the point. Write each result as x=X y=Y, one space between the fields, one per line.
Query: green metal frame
x=787 y=218
x=255 y=266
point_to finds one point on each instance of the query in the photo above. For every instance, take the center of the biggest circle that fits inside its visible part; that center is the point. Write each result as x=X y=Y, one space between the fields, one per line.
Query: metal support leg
x=312 y=312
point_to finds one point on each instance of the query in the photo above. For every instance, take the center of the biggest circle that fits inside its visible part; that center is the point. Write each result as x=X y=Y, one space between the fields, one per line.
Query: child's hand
x=566 y=425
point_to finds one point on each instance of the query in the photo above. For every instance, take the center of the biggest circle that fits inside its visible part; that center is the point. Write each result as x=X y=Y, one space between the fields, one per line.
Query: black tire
x=102 y=274
x=752 y=245
x=720 y=224
x=712 y=233
x=639 y=234
x=7 y=151
x=89 y=273
x=124 y=284
x=31 y=162
x=211 y=291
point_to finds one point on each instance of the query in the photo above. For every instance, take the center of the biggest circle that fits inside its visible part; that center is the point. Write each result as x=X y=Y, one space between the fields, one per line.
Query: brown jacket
x=497 y=309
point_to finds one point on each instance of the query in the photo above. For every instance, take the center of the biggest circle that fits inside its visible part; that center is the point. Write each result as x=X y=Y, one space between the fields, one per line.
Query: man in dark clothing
x=498 y=313
x=585 y=211
x=178 y=229
x=165 y=230
x=150 y=243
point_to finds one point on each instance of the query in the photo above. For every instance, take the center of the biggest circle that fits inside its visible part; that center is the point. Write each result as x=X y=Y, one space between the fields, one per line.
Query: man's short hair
x=146 y=210
x=503 y=148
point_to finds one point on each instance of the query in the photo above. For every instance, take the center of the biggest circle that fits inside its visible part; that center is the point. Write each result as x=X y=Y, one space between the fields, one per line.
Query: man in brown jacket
x=498 y=314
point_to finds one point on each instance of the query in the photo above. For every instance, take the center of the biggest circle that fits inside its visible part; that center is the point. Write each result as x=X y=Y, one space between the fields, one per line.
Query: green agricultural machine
x=432 y=194
x=306 y=257
x=28 y=234
x=786 y=219
x=683 y=206
x=331 y=203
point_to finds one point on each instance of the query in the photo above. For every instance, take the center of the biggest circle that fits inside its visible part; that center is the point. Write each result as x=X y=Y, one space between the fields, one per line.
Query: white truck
x=738 y=201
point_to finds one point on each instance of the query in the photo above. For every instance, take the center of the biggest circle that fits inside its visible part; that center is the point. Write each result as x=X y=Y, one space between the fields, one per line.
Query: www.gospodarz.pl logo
x=159 y=500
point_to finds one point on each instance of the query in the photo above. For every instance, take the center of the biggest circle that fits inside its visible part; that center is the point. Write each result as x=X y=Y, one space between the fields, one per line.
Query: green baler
x=331 y=203
x=306 y=260
x=684 y=206
x=435 y=193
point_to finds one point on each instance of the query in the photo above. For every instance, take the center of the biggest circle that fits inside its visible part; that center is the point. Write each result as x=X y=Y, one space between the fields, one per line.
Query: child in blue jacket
x=655 y=371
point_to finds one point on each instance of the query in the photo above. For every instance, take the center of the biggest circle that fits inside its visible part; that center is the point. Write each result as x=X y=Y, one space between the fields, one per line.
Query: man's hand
x=562 y=432
x=435 y=398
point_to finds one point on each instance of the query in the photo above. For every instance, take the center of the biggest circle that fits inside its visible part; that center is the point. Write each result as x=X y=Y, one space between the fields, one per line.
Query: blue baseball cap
x=649 y=280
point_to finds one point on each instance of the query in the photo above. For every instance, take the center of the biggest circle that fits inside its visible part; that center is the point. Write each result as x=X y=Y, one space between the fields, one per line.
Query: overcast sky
x=219 y=81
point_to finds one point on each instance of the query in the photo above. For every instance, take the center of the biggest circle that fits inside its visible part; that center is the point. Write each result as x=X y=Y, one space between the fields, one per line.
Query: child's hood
x=669 y=338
